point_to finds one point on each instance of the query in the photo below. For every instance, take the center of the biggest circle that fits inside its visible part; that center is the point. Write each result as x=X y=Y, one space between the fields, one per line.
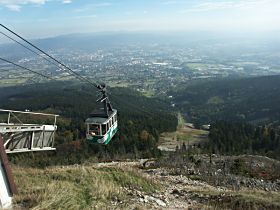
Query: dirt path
x=175 y=193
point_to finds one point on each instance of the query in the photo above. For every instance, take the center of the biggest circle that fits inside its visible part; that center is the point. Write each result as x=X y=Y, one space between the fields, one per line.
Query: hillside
x=141 y=120
x=148 y=184
x=253 y=100
x=182 y=179
x=83 y=176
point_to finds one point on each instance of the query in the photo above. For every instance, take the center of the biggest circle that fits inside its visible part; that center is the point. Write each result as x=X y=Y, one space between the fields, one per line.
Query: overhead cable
x=78 y=76
x=19 y=66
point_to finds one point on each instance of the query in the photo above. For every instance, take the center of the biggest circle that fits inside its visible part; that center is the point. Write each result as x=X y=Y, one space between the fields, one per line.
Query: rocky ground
x=194 y=181
x=188 y=187
x=176 y=181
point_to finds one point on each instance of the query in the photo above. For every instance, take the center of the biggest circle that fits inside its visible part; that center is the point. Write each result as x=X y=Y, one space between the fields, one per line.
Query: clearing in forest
x=185 y=134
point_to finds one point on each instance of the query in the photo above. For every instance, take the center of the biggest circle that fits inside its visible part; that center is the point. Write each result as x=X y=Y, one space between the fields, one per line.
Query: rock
x=160 y=202
x=151 y=198
x=164 y=173
x=130 y=193
x=143 y=162
x=149 y=164
x=177 y=192
x=151 y=171
x=116 y=199
x=139 y=194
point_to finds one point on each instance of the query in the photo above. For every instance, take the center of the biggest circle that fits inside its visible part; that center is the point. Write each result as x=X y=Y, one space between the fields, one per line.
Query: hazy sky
x=41 y=18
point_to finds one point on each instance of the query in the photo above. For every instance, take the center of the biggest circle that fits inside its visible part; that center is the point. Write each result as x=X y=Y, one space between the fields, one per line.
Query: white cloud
x=226 y=5
x=21 y=2
x=81 y=17
x=89 y=7
x=15 y=5
x=235 y=15
x=67 y=1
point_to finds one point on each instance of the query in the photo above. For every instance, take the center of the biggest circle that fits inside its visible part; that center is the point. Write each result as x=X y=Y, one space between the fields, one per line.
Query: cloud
x=21 y=2
x=82 y=16
x=93 y=6
x=238 y=15
x=170 y=2
x=15 y=5
x=67 y=1
x=226 y=5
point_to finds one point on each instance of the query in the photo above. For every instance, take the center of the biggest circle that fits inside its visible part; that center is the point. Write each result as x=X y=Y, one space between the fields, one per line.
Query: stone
x=160 y=202
x=177 y=192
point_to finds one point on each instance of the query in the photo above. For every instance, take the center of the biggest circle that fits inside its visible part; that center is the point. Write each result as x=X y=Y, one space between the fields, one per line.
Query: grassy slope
x=99 y=186
x=80 y=187
x=241 y=199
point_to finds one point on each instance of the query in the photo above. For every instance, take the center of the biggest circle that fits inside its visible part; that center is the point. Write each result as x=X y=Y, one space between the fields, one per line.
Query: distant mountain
x=199 y=40
x=91 y=42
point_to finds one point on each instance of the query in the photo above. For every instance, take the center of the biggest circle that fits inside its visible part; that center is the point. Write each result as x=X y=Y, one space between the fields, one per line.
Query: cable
x=35 y=72
x=73 y=72
x=50 y=61
x=63 y=65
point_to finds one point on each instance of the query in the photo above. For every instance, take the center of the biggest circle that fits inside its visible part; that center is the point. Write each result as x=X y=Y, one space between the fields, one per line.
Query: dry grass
x=80 y=187
x=242 y=199
x=267 y=198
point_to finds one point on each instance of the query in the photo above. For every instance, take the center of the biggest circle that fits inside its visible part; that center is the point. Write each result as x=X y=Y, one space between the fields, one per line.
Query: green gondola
x=102 y=124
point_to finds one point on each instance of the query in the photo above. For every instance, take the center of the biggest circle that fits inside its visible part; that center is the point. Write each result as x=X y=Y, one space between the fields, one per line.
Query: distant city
x=148 y=68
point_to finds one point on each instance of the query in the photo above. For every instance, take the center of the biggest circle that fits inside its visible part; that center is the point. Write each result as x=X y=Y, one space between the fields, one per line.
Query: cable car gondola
x=102 y=124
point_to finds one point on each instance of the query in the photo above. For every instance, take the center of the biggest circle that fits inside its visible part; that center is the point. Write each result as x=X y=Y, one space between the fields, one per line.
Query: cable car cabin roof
x=100 y=117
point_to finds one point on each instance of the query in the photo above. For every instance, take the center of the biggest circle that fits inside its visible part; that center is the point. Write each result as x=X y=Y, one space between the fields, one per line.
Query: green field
x=12 y=82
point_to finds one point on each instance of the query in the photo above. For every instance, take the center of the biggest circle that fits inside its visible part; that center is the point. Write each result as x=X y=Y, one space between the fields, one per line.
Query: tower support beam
x=7 y=184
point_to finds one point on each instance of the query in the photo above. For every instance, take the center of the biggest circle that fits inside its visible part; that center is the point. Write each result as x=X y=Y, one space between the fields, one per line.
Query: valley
x=198 y=120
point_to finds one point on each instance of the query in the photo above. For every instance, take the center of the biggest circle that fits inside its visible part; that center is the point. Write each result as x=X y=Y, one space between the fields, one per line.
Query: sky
x=46 y=18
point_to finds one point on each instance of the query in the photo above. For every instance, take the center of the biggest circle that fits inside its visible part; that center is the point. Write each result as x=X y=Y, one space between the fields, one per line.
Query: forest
x=242 y=138
x=141 y=120
x=255 y=100
x=246 y=112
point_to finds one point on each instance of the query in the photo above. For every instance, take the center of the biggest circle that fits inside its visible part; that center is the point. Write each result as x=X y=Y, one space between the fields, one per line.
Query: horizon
x=180 y=36
x=49 y=18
